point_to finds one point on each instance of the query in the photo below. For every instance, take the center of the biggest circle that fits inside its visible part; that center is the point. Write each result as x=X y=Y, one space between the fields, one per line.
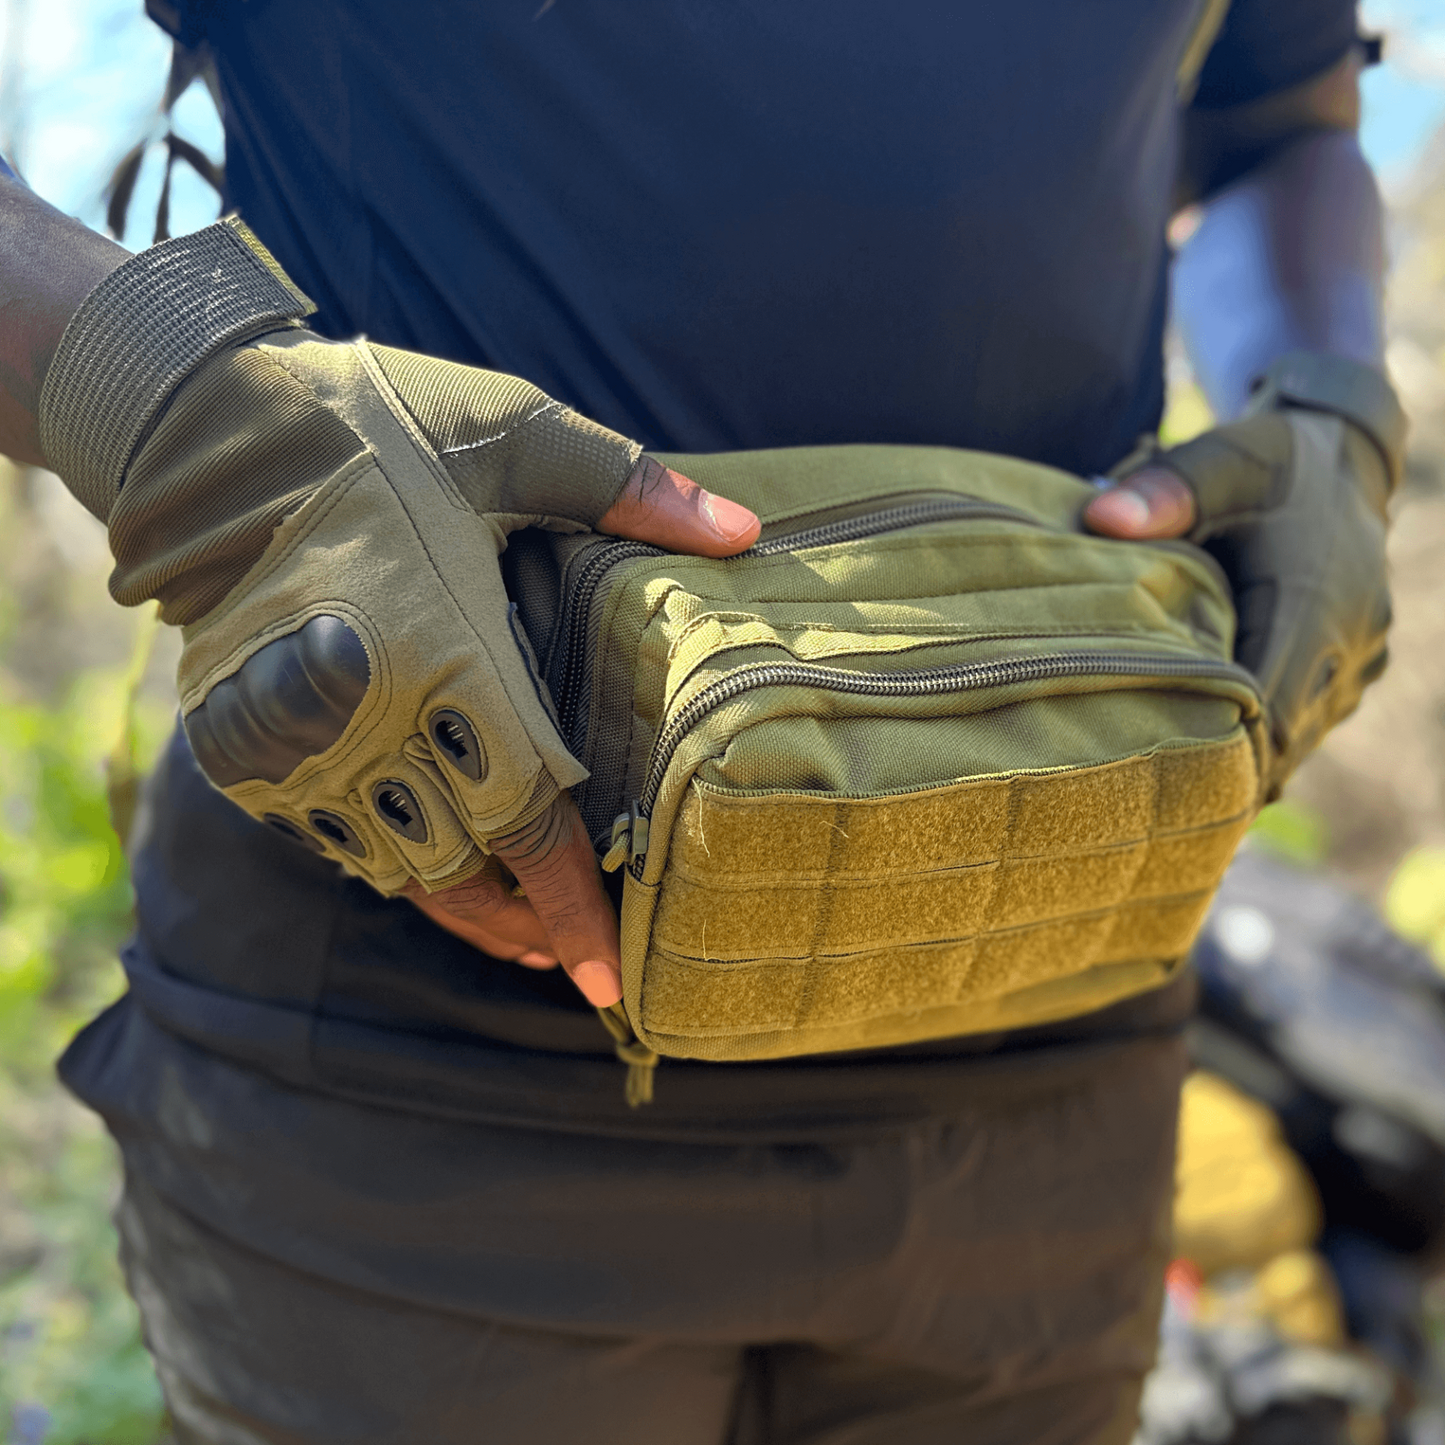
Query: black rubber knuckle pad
x=456 y=741
x=335 y=828
x=397 y=807
x=288 y=702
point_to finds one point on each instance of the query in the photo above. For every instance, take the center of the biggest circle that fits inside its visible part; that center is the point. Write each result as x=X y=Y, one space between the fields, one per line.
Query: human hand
x=1291 y=501
x=325 y=519
x=565 y=916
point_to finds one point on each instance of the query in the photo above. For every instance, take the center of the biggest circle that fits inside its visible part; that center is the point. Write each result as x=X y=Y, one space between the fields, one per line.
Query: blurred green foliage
x=1415 y=902
x=1292 y=831
x=1188 y=414
x=72 y=1367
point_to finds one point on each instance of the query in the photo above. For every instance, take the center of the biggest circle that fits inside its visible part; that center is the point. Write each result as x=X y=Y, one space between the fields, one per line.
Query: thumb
x=671 y=511
x=1225 y=476
x=1152 y=503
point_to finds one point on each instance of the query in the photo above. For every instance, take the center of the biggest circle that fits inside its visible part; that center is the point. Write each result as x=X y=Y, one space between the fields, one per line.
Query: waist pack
x=927 y=760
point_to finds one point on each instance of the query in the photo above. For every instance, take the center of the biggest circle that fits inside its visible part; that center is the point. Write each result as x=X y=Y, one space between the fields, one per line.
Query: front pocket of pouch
x=804 y=912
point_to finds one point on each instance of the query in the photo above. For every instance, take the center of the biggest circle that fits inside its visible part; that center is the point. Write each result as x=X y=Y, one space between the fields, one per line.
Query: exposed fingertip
x=600 y=984
x=1120 y=511
x=534 y=958
x=731 y=522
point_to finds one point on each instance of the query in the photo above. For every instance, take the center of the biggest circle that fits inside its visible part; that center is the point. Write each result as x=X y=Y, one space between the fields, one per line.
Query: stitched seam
x=803 y=960
x=368 y=362
x=339 y=485
x=857 y=882
x=547 y=406
x=410 y=430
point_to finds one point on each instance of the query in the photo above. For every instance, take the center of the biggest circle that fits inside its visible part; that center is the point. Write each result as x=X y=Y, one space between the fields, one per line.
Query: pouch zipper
x=567 y=691
x=929 y=682
x=572 y=645
x=891 y=519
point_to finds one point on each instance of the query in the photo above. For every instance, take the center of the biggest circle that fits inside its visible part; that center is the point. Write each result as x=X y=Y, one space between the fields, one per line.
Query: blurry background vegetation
x=79 y=84
x=71 y=1365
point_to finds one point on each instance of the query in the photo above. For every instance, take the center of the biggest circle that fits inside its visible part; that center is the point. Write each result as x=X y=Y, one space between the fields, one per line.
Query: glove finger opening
x=337 y=831
x=455 y=743
x=407 y=801
x=294 y=831
x=1235 y=472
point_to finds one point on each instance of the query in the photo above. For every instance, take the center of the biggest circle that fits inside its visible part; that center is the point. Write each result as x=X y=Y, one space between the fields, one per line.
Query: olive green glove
x=325 y=520
x=1291 y=500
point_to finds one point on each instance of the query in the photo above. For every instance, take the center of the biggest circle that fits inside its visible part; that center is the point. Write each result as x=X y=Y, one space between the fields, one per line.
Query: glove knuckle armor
x=289 y=701
x=455 y=742
x=335 y=829
x=397 y=806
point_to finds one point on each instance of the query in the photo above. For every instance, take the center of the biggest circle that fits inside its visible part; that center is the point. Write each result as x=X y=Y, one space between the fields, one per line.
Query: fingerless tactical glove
x=325 y=521
x=1291 y=500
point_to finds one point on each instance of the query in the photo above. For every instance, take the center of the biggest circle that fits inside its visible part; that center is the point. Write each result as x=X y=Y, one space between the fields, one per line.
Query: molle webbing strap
x=1359 y=393
x=139 y=333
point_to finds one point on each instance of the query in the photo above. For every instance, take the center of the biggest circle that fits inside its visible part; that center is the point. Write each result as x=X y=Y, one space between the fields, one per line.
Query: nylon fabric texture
x=927 y=761
x=506 y=444
x=209 y=488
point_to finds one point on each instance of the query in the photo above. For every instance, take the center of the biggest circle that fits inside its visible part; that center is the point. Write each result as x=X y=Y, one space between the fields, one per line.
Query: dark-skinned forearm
x=48 y=265
x=1290 y=257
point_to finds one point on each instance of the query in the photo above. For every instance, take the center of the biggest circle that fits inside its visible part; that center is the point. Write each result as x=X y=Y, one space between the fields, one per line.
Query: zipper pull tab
x=641 y=1061
x=617 y=851
x=629 y=839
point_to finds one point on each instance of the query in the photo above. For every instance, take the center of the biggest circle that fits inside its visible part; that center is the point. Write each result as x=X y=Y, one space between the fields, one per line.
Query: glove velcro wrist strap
x=139 y=334
x=1350 y=389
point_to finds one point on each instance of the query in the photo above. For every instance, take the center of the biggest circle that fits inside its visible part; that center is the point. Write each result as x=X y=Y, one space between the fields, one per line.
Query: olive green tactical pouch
x=928 y=760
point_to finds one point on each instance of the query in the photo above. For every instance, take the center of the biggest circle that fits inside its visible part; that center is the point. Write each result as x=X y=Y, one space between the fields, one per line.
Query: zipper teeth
x=963 y=677
x=912 y=514
x=569 y=692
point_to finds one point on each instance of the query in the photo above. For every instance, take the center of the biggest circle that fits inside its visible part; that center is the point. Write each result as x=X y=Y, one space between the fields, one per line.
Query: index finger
x=553 y=860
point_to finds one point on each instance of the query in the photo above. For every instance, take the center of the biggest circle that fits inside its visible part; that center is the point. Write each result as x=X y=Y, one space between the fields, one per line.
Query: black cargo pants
x=313 y=1271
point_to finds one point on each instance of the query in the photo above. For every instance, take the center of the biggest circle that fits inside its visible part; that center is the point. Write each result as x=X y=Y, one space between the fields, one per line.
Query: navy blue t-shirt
x=709 y=224
x=715 y=224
